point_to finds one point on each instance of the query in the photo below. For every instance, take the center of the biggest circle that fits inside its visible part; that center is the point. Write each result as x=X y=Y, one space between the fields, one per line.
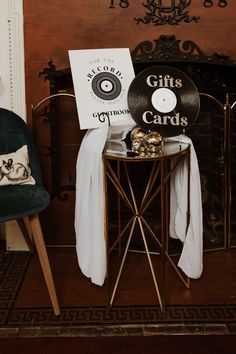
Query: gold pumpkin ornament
x=137 y=133
x=153 y=142
x=137 y=137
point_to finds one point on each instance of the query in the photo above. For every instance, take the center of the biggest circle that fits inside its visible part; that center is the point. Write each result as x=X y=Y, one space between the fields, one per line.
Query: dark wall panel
x=52 y=27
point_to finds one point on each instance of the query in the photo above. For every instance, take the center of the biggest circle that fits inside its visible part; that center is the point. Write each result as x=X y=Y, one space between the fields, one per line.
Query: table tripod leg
x=123 y=261
x=151 y=265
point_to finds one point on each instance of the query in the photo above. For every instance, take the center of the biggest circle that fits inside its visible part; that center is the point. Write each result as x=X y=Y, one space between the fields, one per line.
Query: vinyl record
x=163 y=99
x=106 y=86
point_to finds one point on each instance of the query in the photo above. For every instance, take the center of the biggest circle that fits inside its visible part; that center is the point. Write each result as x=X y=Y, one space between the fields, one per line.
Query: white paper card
x=101 y=79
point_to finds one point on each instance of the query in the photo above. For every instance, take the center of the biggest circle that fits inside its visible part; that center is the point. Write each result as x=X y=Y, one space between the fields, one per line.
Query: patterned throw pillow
x=14 y=168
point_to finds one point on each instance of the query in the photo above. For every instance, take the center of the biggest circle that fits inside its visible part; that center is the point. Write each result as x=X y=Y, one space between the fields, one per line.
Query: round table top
x=117 y=150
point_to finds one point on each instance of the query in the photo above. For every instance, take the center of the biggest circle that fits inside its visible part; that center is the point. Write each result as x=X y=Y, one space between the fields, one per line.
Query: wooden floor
x=217 y=284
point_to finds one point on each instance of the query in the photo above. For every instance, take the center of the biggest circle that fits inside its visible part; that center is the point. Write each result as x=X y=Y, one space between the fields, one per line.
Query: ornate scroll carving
x=160 y=14
x=168 y=48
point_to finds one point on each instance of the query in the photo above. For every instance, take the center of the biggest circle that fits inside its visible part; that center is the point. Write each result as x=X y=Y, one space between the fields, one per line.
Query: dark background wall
x=52 y=27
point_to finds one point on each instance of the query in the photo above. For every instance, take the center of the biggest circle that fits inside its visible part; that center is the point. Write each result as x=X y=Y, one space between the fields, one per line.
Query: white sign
x=101 y=79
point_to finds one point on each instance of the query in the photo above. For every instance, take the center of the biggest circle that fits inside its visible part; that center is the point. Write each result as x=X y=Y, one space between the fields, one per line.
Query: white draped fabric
x=89 y=206
x=191 y=258
x=89 y=210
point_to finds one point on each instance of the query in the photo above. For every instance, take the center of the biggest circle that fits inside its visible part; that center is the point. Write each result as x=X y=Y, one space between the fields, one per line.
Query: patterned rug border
x=15 y=266
x=122 y=315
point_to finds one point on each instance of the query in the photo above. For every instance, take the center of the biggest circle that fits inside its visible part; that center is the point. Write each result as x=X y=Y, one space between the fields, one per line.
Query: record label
x=163 y=99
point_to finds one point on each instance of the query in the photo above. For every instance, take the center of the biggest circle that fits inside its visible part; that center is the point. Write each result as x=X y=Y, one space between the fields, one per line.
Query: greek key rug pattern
x=123 y=315
x=15 y=266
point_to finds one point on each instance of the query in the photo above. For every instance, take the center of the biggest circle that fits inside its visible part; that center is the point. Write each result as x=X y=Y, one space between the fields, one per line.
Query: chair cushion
x=14 y=168
x=14 y=133
x=17 y=201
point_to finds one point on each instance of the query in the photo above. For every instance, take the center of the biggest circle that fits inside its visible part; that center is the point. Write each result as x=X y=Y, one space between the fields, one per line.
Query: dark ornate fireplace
x=213 y=134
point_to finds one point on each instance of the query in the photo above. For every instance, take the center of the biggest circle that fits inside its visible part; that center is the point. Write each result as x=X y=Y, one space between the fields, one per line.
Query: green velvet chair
x=25 y=200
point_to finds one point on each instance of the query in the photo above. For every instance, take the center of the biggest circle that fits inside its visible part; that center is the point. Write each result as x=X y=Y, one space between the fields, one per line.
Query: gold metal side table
x=118 y=167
